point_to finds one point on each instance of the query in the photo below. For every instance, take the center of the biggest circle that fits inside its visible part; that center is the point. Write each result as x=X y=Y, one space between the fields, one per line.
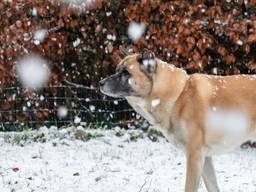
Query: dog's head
x=133 y=77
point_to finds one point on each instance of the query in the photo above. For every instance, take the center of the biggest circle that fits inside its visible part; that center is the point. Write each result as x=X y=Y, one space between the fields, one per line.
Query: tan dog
x=203 y=115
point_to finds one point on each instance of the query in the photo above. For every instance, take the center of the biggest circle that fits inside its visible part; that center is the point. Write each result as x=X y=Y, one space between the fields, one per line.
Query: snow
x=130 y=81
x=76 y=42
x=232 y=122
x=87 y=99
x=214 y=108
x=108 y=13
x=29 y=104
x=136 y=30
x=145 y=62
x=239 y=42
x=77 y=120
x=131 y=66
x=41 y=97
x=62 y=112
x=78 y=3
x=24 y=108
x=92 y=108
x=33 y=71
x=149 y=62
x=34 y=11
x=155 y=102
x=111 y=37
x=111 y=164
x=215 y=70
x=39 y=36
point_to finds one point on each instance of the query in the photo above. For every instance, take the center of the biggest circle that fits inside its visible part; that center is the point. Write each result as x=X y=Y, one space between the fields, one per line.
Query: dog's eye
x=125 y=72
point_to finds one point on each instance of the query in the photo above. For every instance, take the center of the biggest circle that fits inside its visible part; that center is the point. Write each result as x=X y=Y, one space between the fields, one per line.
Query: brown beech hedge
x=83 y=43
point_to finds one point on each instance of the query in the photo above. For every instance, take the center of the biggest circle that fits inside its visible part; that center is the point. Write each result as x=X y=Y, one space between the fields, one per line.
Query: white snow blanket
x=112 y=164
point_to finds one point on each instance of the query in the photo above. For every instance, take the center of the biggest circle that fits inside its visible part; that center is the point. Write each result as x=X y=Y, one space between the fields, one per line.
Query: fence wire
x=21 y=108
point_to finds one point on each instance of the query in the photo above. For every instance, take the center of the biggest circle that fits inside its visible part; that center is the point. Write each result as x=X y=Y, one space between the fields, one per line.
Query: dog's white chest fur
x=140 y=106
x=177 y=137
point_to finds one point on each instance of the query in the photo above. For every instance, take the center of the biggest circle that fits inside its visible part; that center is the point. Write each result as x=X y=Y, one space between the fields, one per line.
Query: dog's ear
x=147 y=62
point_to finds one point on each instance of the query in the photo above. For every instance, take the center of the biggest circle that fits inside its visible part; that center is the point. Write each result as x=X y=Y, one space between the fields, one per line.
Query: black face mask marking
x=117 y=85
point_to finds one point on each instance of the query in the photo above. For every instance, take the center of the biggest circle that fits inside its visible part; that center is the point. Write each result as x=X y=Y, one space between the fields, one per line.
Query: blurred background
x=53 y=53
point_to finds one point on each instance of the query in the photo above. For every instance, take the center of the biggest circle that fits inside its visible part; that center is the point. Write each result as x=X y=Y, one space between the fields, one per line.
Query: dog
x=201 y=114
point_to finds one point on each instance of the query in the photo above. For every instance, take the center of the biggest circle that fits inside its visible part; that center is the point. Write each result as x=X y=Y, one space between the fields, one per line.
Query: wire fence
x=21 y=108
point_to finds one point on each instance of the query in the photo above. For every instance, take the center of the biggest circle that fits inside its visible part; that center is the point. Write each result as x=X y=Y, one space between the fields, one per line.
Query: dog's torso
x=218 y=112
x=224 y=108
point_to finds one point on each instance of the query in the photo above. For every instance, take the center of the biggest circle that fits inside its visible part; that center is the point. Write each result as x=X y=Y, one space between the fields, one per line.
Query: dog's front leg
x=195 y=164
x=209 y=176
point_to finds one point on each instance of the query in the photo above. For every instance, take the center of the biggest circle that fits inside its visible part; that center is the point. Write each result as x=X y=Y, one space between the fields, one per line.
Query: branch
x=79 y=85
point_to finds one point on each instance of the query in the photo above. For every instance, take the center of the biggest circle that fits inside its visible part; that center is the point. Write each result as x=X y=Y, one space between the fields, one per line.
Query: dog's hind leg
x=209 y=176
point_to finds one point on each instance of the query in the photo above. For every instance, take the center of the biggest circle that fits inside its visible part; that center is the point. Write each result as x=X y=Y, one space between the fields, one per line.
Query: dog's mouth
x=106 y=89
x=108 y=93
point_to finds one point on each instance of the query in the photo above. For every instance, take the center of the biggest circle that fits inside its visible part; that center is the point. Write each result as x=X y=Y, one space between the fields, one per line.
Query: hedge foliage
x=82 y=43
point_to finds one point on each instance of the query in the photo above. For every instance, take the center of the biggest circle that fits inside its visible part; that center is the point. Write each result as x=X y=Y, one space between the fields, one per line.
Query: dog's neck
x=168 y=83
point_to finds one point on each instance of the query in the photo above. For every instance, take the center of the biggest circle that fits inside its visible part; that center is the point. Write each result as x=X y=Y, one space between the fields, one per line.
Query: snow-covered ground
x=110 y=163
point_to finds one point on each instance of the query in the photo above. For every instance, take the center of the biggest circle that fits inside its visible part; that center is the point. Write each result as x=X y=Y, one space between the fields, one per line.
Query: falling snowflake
x=136 y=30
x=34 y=11
x=39 y=36
x=76 y=42
x=62 y=112
x=155 y=102
x=76 y=3
x=239 y=42
x=28 y=104
x=92 y=108
x=41 y=97
x=77 y=120
x=33 y=71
